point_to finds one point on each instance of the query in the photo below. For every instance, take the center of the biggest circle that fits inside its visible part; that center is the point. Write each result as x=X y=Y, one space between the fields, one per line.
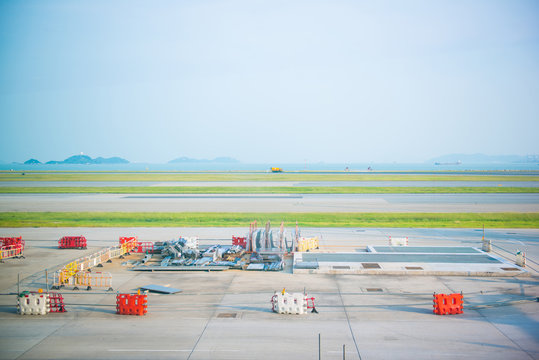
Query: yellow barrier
x=128 y=246
x=306 y=244
x=11 y=251
x=98 y=279
x=73 y=274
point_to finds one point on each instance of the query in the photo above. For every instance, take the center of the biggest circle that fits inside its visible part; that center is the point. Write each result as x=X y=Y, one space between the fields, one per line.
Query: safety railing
x=76 y=272
x=11 y=251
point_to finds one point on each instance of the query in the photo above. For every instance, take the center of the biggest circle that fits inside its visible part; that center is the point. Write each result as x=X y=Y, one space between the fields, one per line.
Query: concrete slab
x=404 y=263
x=226 y=315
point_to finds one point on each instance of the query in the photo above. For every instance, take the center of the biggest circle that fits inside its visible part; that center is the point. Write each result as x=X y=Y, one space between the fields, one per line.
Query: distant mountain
x=222 y=159
x=111 y=160
x=85 y=159
x=31 y=162
x=483 y=159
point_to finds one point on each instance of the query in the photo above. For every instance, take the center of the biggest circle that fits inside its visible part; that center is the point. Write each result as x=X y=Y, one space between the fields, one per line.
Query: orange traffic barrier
x=131 y=304
x=447 y=304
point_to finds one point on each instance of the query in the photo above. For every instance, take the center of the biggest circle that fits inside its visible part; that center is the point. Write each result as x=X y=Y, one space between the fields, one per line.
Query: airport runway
x=271 y=183
x=272 y=203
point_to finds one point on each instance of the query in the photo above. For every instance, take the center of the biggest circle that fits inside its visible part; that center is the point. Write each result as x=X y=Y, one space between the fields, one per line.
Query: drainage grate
x=413 y=268
x=370 y=266
x=341 y=267
x=227 y=315
x=510 y=269
x=374 y=289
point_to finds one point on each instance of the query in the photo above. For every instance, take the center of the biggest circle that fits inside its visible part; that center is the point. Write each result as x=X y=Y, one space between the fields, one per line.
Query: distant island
x=81 y=159
x=184 y=159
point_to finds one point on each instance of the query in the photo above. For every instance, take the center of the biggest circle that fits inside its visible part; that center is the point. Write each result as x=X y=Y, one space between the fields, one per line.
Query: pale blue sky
x=268 y=81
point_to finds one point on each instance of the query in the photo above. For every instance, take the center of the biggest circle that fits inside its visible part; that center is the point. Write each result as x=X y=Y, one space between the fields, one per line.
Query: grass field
x=265 y=190
x=164 y=177
x=390 y=220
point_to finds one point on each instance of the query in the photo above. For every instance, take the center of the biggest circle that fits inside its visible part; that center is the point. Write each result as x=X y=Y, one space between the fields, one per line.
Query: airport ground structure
x=363 y=313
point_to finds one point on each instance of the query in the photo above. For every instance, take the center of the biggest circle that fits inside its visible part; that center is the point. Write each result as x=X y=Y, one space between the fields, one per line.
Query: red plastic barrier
x=240 y=241
x=11 y=241
x=143 y=246
x=124 y=239
x=131 y=304
x=449 y=304
x=56 y=302
x=72 y=242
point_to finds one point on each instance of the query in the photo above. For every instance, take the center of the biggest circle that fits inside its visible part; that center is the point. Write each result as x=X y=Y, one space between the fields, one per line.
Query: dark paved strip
x=405 y=258
x=214 y=197
x=426 y=249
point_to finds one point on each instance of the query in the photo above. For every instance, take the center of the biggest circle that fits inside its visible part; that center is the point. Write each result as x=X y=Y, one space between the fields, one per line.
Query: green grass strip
x=264 y=190
x=184 y=219
x=164 y=177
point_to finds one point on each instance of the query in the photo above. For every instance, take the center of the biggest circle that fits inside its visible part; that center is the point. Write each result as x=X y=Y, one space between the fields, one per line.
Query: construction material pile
x=185 y=254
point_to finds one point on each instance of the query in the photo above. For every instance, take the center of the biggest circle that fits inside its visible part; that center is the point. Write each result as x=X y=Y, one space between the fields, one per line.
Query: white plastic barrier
x=115 y=252
x=401 y=241
x=33 y=304
x=521 y=259
x=286 y=303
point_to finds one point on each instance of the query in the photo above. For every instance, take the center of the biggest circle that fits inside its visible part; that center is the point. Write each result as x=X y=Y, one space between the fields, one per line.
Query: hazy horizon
x=477 y=158
x=268 y=81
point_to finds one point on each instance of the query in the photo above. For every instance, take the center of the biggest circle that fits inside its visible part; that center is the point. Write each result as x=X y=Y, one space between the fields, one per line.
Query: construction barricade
x=11 y=241
x=239 y=241
x=39 y=303
x=127 y=244
x=11 y=247
x=72 y=242
x=124 y=239
x=143 y=247
x=77 y=273
x=33 y=303
x=398 y=241
x=306 y=244
x=80 y=279
x=13 y=251
x=131 y=304
x=447 y=304
x=296 y=303
x=93 y=280
x=520 y=259
x=56 y=302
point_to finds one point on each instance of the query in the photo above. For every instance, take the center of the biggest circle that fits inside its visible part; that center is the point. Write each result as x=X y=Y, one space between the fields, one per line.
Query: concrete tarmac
x=227 y=315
